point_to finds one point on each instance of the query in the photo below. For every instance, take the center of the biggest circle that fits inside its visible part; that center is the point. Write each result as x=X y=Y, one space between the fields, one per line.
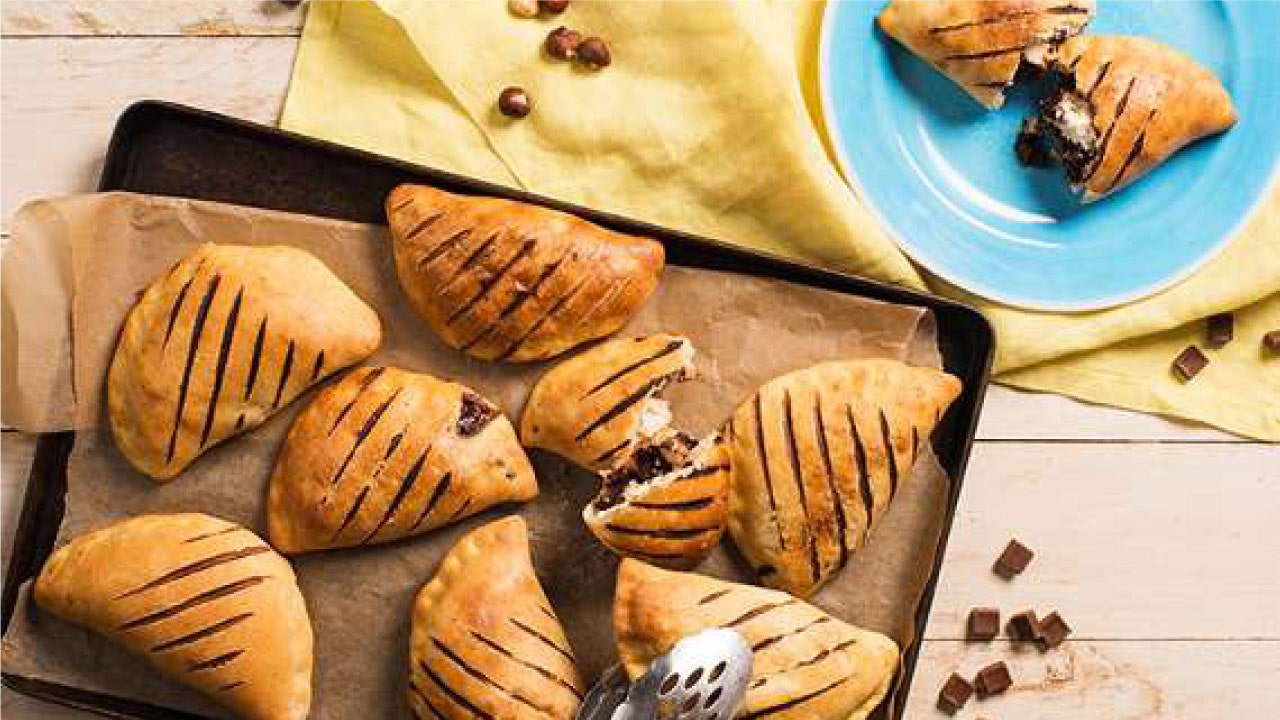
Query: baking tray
x=163 y=148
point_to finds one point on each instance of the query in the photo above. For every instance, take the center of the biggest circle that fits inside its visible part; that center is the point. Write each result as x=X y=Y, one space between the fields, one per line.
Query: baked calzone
x=216 y=346
x=485 y=643
x=807 y=665
x=663 y=495
x=982 y=44
x=504 y=280
x=387 y=453
x=205 y=601
x=1118 y=107
x=818 y=454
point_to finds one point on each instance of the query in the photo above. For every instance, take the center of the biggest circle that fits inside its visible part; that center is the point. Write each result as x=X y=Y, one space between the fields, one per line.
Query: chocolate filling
x=650 y=460
x=475 y=414
x=1063 y=131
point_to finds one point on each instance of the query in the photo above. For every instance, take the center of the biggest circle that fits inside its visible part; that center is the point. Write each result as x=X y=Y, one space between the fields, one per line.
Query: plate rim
x=982 y=290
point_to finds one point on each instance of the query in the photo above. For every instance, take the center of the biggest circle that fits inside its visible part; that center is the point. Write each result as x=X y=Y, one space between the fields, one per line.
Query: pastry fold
x=817 y=456
x=205 y=601
x=980 y=44
x=807 y=664
x=226 y=338
x=485 y=641
x=385 y=454
x=504 y=280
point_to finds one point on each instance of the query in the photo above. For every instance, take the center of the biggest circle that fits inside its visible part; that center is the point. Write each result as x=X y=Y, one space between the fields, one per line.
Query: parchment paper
x=747 y=330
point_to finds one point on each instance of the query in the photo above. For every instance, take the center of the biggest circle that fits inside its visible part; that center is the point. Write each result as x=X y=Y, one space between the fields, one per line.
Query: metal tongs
x=704 y=677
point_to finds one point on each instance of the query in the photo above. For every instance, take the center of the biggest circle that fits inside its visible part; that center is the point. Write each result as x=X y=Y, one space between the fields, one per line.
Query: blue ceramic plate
x=940 y=170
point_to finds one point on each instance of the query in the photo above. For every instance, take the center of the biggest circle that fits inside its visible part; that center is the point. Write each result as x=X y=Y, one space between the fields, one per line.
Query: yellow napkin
x=708 y=121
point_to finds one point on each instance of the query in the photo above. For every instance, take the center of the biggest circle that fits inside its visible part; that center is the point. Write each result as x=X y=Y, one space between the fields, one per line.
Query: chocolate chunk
x=1271 y=341
x=984 y=623
x=1024 y=627
x=954 y=694
x=476 y=412
x=1053 y=630
x=1219 y=330
x=993 y=679
x=1189 y=363
x=1013 y=560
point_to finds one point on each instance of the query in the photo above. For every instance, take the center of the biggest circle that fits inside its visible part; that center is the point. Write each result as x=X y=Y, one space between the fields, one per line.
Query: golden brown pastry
x=981 y=44
x=1121 y=106
x=485 y=642
x=504 y=280
x=663 y=495
x=818 y=454
x=387 y=453
x=807 y=666
x=204 y=600
x=228 y=337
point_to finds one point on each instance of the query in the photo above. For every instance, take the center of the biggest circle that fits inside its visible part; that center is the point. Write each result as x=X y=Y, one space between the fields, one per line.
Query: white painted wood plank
x=1193 y=680
x=192 y=18
x=1145 y=541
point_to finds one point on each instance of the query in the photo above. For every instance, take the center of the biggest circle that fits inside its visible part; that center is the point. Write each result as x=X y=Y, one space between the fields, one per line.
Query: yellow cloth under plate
x=708 y=121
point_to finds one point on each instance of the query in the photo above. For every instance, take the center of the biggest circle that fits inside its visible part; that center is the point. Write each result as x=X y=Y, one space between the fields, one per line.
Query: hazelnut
x=562 y=43
x=523 y=8
x=514 y=102
x=594 y=53
x=553 y=7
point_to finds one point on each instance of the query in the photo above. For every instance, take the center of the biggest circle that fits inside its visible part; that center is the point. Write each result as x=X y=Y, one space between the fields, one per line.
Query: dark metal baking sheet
x=163 y=148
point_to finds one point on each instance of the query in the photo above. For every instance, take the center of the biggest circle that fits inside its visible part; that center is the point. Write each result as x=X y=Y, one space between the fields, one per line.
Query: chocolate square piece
x=984 y=624
x=1271 y=341
x=1013 y=560
x=954 y=694
x=1024 y=627
x=1189 y=363
x=1219 y=330
x=1053 y=630
x=993 y=679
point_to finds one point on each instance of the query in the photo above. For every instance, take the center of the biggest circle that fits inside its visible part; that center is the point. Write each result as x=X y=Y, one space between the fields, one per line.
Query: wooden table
x=1158 y=541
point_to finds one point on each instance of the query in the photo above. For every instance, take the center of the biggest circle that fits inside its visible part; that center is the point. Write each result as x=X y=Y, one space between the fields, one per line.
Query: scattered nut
x=553 y=7
x=562 y=43
x=514 y=102
x=523 y=8
x=594 y=53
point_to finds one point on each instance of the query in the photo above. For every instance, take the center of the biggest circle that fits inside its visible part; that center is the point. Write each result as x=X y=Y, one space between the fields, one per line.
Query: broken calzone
x=387 y=453
x=982 y=44
x=485 y=642
x=504 y=280
x=205 y=601
x=664 y=495
x=817 y=456
x=807 y=665
x=228 y=337
x=1119 y=106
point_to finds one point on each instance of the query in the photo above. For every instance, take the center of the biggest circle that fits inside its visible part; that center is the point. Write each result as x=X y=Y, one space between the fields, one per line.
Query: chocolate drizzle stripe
x=809 y=662
x=703 y=472
x=194 y=601
x=467 y=263
x=1097 y=81
x=318 y=367
x=198 y=566
x=256 y=360
x=352 y=513
x=215 y=662
x=422 y=697
x=670 y=347
x=197 y=329
x=202 y=633
x=220 y=369
x=485 y=679
x=613 y=450
x=1134 y=152
x=406 y=485
x=793 y=456
x=775 y=639
x=641 y=393
x=994 y=52
x=1017 y=15
x=886 y=437
x=367 y=429
x=714 y=596
x=537 y=324
x=212 y=533
x=284 y=374
x=440 y=489
x=488 y=285
x=231 y=685
x=458 y=513
x=1106 y=137
x=757 y=611
x=422 y=224
x=544 y=672
x=532 y=632
x=681 y=505
x=764 y=470
x=518 y=299
x=368 y=380
x=833 y=484
x=661 y=533
x=408 y=201
x=782 y=707
x=864 y=479
x=393 y=444
x=176 y=310
x=454 y=696
x=442 y=248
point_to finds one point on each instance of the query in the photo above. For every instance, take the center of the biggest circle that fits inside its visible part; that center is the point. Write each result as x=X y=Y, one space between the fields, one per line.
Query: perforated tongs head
x=704 y=677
